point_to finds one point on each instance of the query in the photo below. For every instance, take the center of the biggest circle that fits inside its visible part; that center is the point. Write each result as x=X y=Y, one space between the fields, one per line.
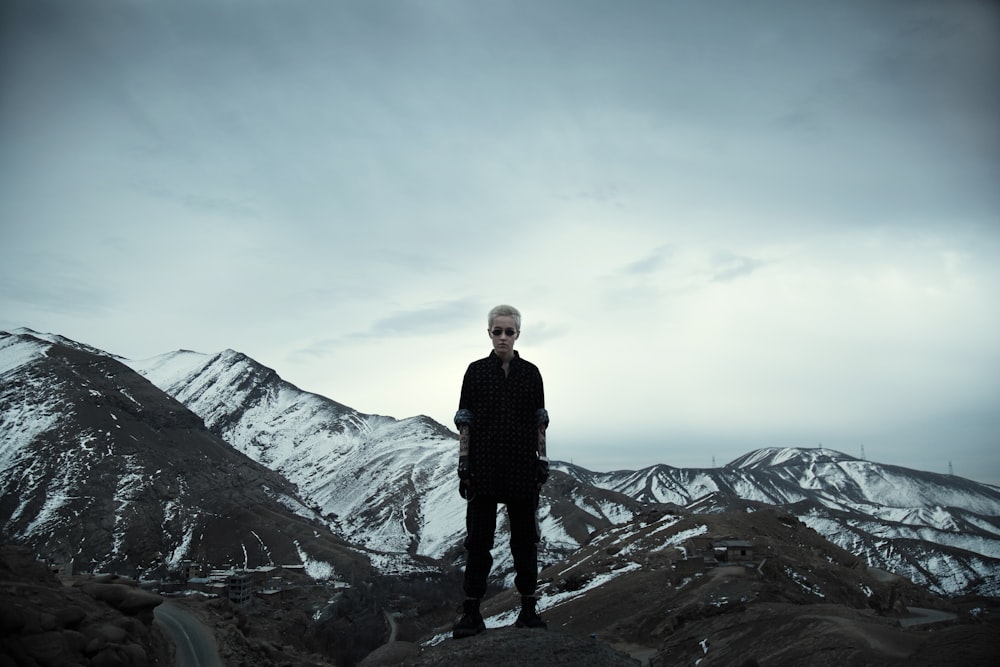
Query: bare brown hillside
x=795 y=599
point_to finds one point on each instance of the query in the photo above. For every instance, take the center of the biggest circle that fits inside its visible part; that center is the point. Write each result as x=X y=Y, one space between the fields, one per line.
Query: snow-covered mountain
x=100 y=467
x=388 y=485
x=937 y=530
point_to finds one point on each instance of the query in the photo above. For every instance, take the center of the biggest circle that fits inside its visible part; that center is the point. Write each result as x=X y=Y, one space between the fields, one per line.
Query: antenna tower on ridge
x=951 y=470
x=863 y=452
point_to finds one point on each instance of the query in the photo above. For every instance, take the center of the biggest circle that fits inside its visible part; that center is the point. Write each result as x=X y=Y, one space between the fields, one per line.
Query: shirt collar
x=498 y=361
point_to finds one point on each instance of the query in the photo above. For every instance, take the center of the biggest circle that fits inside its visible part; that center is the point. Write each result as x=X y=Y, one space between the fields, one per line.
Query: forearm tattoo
x=541 y=439
x=463 y=440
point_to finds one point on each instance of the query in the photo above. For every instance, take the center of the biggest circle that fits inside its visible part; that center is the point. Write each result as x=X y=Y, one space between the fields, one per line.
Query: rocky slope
x=95 y=620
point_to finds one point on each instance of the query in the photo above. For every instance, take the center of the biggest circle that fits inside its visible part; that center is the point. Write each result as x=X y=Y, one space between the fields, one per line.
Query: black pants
x=481 y=525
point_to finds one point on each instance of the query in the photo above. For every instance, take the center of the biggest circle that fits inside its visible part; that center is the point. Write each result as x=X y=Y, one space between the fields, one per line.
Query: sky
x=727 y=225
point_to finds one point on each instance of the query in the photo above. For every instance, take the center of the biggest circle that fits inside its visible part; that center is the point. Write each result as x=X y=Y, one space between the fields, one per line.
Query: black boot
x=528 y=618
x=472 y=621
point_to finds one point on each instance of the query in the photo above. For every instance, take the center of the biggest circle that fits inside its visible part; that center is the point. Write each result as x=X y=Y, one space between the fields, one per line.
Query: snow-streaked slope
x=938 y=530
x=101 y=467
x=839 y=476
x=17 y=351
x=379 y=480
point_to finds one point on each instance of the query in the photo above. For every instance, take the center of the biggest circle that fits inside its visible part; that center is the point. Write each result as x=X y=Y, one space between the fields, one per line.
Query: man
x=501 y=421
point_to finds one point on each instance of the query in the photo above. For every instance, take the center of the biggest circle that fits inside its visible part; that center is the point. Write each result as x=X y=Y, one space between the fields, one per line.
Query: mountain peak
x=788 y=456
x=56 y=339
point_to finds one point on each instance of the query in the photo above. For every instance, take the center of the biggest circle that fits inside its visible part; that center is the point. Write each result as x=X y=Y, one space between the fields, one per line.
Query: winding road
x=393 y=626
x=195 y=644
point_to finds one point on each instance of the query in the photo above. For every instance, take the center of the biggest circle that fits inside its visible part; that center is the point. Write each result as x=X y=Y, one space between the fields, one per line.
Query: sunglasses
x=498 y=331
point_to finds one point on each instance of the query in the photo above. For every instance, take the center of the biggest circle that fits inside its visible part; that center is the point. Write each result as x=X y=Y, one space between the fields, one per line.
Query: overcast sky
x=728 y=225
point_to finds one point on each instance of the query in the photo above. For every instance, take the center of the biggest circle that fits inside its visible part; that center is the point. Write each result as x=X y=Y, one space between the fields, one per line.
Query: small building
x=734 y=551
x=239 y=588
x=189 y=569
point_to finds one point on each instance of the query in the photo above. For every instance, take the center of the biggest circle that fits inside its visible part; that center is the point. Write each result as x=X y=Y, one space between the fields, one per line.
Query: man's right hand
x=542 y=471
x=464 y=477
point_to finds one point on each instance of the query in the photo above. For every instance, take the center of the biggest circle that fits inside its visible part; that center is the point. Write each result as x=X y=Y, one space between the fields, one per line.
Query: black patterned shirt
x=503 y=437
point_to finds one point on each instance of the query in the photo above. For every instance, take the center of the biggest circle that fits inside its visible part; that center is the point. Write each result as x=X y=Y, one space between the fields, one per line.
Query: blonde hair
x=503 y=310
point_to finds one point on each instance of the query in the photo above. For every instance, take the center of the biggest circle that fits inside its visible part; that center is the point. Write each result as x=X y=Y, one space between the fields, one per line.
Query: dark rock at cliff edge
x=90 y=620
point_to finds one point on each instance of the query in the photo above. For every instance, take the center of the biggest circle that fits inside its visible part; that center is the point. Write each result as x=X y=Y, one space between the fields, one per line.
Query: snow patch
x=317 y=569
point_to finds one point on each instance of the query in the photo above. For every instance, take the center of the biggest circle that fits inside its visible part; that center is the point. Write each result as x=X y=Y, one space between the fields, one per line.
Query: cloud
x=727 y=267
x=53 y=283
x=201 y=202
x=57 y=295
x=543 y=333
x=651 y=262
x=427 y=320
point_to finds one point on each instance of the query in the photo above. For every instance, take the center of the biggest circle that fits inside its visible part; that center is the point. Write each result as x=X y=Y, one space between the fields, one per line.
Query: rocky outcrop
x=100 y=621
